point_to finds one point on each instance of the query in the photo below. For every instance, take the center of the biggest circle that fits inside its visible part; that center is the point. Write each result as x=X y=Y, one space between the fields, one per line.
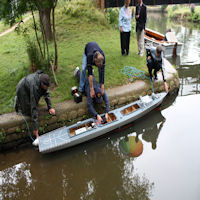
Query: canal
x=168 y=165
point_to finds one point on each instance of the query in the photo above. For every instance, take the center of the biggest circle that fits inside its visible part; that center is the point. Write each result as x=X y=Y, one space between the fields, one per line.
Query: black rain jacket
x=28 y=93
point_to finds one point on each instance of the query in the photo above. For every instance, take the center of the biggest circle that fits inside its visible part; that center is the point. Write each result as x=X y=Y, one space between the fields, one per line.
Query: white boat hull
x=168 y=48
x=61 y=138
x=154 y=38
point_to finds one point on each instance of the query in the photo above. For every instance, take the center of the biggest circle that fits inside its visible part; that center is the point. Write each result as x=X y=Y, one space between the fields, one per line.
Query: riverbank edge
x=13 y=130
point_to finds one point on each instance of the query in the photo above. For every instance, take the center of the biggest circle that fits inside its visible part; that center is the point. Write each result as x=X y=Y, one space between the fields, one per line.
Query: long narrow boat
x=170 y=48
x=89 y=129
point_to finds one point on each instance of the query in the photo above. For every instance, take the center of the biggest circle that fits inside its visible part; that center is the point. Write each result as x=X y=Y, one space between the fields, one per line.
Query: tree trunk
x=54 y=37
x=45 y=17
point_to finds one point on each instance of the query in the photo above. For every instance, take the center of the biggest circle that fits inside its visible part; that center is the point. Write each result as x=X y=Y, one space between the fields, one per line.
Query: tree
x=12 y=10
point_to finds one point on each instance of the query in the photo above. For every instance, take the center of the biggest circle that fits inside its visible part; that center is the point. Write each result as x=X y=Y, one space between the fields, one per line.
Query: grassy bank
x=76 y=24
x=184 y=12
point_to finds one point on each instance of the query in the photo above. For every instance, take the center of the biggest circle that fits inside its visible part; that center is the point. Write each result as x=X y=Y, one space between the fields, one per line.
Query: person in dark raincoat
x=98 y=98
x=28 y=91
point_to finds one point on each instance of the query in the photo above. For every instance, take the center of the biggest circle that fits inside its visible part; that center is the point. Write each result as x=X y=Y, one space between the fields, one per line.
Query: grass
x=3 y=27
x=72 y=34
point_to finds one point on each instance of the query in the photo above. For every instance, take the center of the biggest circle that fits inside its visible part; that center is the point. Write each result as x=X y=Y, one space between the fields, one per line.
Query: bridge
x=120 y=3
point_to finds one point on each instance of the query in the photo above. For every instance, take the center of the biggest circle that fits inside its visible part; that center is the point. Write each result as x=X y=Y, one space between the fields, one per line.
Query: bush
x=195 y=17
x=163 y=7
x=86 y=9
x=175 y=7
x=112 y=16
x=36 y=60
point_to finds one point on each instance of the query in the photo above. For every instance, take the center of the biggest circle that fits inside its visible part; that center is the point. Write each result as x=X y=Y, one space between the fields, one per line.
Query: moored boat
x=89 y=129
x=170 y=47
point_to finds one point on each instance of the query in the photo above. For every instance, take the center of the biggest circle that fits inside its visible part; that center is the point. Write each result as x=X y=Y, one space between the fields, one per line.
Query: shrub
x=112 y=16
x=195 y=17
x=36 y=60
x=84 y=9
x=163 y=7
x=175 y=7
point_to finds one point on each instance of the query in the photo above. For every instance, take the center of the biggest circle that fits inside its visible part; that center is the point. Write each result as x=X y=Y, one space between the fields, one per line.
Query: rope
x=133 y=72
x=29 y=132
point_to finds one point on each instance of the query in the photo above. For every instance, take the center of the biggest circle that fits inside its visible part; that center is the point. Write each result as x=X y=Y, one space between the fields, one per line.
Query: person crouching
x=98 y=97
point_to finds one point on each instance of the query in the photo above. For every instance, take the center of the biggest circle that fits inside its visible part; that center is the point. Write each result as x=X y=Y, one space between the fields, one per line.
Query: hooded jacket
x=28 y=93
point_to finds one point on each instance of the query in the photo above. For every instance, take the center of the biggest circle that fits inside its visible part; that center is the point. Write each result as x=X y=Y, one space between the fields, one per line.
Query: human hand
x=52 y=111
x=149 y=57
x=92 y=93
x=102 y=89
x=35 y=132
x=106 y=116
x=121 y=29
x=137 y=16
x=166 y=86
x=99 y=119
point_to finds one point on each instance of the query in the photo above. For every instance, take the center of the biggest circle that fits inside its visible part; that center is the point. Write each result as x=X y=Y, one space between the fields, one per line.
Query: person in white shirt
x=125 y=17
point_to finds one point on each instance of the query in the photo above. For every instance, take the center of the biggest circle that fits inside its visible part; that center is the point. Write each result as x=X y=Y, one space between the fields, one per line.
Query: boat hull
x=153 y=38
x=75 y=134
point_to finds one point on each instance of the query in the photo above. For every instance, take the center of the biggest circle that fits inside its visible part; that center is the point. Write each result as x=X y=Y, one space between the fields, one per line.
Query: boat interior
x=89 y=125
x=155 y=36
x=130 y=109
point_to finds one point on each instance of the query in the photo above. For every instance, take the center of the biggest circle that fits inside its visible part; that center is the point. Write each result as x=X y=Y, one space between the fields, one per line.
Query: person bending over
x=93 y=55
x=155 y=62
x=28 y=91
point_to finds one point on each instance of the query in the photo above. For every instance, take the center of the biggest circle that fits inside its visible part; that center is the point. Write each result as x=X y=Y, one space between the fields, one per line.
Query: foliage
x=195 y=17
x=37 y=62
x=184 y=13
x=175 y=7
x=84 y=9
x=2 y=135
x=112 y=16
x=163 y=8
x=12 y=10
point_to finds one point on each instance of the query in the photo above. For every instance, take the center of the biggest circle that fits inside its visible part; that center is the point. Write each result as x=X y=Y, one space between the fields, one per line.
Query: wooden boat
x=170 y=48
x=89 y=129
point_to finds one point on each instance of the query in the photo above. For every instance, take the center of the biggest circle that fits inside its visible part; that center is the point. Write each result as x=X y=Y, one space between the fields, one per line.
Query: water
x=168 y=167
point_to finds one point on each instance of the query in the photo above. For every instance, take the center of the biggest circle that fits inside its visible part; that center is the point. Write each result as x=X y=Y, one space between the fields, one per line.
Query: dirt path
x=13 y=27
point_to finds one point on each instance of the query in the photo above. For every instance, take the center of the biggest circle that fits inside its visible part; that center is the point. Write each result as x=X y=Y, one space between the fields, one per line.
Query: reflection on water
x=14 y=180
x=131 y=145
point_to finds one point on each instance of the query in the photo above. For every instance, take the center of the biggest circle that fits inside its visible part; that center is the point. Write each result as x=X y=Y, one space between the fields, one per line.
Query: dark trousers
x=153 y=65
x=125 y=41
